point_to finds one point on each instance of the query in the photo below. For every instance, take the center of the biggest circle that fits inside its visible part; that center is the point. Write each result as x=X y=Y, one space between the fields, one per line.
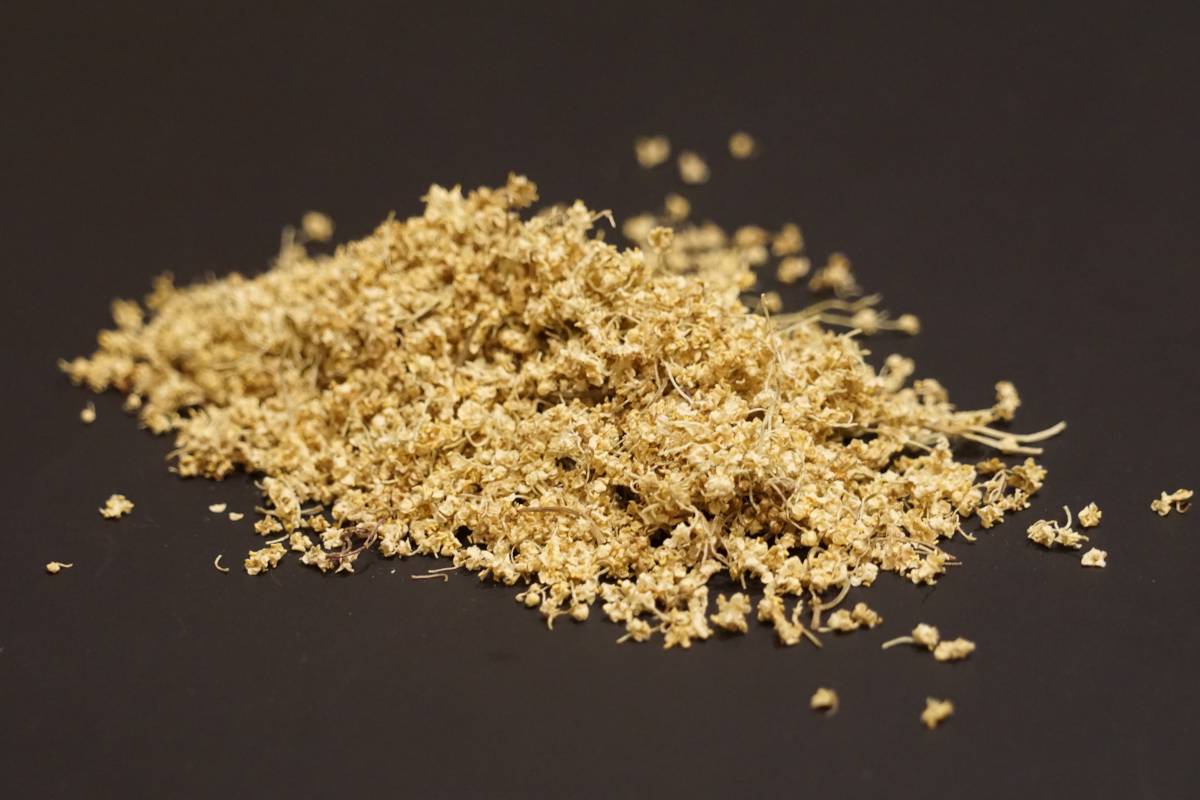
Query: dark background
x=1025 y=181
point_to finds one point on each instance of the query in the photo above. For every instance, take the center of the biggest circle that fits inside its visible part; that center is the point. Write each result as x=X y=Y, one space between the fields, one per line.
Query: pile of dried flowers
x=598 y=426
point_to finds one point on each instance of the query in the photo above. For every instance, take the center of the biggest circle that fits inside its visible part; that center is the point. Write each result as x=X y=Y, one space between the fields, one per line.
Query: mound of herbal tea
x=591 y=424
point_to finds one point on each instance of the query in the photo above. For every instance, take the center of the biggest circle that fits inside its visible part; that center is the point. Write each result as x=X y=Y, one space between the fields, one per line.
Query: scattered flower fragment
x=1095 y=558
x=792 y=269
x=846 y=620
x=218 y=508
x=788 y=242
x=607 y=430
x=1049 y=533
x=54 y=567
x=824 y=699
x=731 y=612
x=317 y=227
x=1089 y=516
x=936 y=711
x=953 y=649
x=742 y=145
x=928 y=637
x=235 y=516
x=677 y=207
x=1179 y=500
x=219 y=566
x=651 y=150
x=771 y=302
x=88 y=414
x=264 y=559
x=836 y=276
x=692 y=168
x=116 y=506
x=661 y=238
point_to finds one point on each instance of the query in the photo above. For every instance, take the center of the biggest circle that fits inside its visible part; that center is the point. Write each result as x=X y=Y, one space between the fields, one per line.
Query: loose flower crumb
x=262 y=560
x=235 y=516
x=1178 y=500
x=54 y=567
x=936 y=711
x=1089 y=516
x=824 y=699
x=1049 y=533
x=651 y=150
x=742 y=145
x=218 y=508
x=1095 y=558
x=692 y=168
x=317 y=227
x=731 y=613
x=677 y=207
x=217 y=564
x=118 y=505
x=836 y=276
x=953 y=649
x=792 y=269
x=88 y=414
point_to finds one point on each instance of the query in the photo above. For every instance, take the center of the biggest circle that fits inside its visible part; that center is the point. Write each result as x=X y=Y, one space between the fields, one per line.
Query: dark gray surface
x=1026 y=183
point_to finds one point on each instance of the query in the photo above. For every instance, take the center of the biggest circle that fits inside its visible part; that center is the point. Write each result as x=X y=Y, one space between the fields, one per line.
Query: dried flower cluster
x=1090 y=516
x=116 y=506
x=928 y=637
x=1179 y=501
x=1049 y=533
x=602 y=427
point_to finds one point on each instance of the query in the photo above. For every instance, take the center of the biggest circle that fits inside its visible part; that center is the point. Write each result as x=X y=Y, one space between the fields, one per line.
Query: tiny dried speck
x=651 y=150
x=692 y=168
x=54 y=567
x=742 y=145
x=824 y=699
x=317 y=227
